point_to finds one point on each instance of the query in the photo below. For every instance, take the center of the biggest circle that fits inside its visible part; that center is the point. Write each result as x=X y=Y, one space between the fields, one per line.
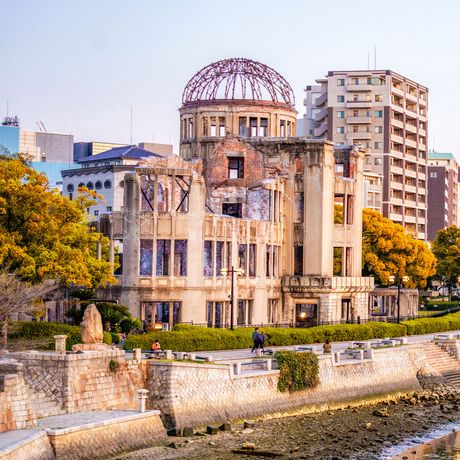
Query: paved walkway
x=220 y=355
x=10 y=438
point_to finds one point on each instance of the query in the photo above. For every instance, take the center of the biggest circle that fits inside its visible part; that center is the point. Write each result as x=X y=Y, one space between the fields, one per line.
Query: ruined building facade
x=245 y=194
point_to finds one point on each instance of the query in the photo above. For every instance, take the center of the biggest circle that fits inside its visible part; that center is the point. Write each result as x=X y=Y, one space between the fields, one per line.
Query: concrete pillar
x=169 y=354
x=237 y=368
x=319 y=179
x=358 y=204
x=131 y=232
x=137 y=354
x=142 y=396
x=59 y=343
x=269 y=364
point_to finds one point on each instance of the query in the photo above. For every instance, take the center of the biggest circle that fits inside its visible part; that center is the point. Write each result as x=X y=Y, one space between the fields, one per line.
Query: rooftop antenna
x=375 y=57
x=7 y=108
x=39 y=127
x=131 y=136
x=43 y=126
x=368 y=58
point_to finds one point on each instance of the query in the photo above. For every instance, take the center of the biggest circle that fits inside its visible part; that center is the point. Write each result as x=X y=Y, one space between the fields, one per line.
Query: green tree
x=389 y=250
x=446 y=248
x=44 y=235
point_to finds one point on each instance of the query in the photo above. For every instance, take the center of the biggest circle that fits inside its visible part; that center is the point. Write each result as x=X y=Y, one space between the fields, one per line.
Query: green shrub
x=449 y=322
x=129 y=324
x=298 y=371
x=114 y=365
x=30 y=330
x=439 y=305
x=115 y=337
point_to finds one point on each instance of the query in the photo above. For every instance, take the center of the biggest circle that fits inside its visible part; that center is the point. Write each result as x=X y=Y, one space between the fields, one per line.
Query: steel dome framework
x=238 y=79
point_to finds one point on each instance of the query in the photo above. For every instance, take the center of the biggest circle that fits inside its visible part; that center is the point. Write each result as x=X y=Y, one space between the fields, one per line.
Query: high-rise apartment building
x=386 y=113
x=442 y=192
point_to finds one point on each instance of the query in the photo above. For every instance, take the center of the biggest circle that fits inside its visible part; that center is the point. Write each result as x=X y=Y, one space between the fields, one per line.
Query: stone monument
x=91 y=331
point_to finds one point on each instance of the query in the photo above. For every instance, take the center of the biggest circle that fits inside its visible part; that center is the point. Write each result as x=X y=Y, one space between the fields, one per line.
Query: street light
x=232 y=272
x=404 y=279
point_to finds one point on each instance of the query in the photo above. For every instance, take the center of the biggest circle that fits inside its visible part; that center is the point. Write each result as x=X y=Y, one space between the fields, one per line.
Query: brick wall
x=15 y=409
x=191 y=395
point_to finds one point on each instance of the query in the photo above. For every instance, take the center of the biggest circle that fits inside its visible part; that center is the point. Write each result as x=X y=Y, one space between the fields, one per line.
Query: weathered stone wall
x=15 y=409
x=453 y=348
x=108 y=438
x=79 y=382
x=190 y=395
x=35 y=447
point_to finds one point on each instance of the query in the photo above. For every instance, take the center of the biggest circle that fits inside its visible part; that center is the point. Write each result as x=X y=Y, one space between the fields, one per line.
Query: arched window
x=81 y=184
x=107 y=184
x=70 y=188
x=98 y=185
x=122 y=183
x=90 y=185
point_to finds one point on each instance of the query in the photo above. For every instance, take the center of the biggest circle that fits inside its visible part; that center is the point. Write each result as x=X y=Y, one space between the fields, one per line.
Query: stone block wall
x=15 y=409
x=106 y=439
x=190 y=395
x=453 y=348
x=79 y=382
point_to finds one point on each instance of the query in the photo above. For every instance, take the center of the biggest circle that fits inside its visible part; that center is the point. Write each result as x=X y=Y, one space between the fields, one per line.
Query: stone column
x=59 y=343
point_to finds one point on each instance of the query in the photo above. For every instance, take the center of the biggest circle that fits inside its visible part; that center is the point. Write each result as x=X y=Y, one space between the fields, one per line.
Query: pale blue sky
x=79 y=65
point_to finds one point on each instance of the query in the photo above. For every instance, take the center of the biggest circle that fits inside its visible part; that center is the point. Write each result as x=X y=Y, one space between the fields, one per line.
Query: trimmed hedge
x=30 y=330
x=439 y=305
x=297 y=370
x=195 y=338
x=449 y=322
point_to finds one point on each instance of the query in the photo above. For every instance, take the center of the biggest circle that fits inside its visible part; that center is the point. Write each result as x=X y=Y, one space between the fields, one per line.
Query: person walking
x=261 y=340
x=255 y=339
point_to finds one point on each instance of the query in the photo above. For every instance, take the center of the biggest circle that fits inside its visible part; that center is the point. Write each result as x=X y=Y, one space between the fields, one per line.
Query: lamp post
x=232 y=272
x=399 y=280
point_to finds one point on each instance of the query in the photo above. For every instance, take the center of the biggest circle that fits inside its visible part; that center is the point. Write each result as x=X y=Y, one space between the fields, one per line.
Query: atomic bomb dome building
x=250 y=224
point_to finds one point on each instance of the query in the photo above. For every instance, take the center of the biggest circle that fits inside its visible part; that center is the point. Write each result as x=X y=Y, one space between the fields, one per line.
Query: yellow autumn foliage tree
x=389 y=250
x=44 y=235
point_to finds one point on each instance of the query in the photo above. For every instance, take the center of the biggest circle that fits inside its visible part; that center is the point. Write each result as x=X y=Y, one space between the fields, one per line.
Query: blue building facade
x=9 y=138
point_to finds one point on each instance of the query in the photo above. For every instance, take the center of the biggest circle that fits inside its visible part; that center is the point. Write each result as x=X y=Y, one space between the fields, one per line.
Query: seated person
x=327 y=347
x=156 y=345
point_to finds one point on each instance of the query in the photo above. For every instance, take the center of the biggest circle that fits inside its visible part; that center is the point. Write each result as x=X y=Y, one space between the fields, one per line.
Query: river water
x=441 y=444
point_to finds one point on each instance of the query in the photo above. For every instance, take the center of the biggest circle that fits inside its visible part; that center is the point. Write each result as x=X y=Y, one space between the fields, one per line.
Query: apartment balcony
x=396 y=185
x=411 y=128
x=321 y=115
x=422 y=102
x=411 y=97
x=395 y=200
x=421 y=220
x=409 y=219
x=411 y=143
x=421 y=191
x=422 y=132
x=421 y=236
x=410 y=203
x=359 y=104
x=320 y=130
x=357 y=88
x=410 y=173
x=397 y=91
x=396 y=217
x=320 y=100
x=396 y=169
x=397 y=123
x=373 y=187
x=410 y=188
x=396 y=138
x=397 y=108
x=421 y=175
x=353 y=137
x=359 y=120
x=411 y=113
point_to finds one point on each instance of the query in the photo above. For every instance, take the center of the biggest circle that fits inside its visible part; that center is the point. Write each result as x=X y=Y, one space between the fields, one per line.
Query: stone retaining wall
x=35 y=447
x=190 y=394
x=103 y=440
x=15 y=409
x=80 y=382
x=452 y=348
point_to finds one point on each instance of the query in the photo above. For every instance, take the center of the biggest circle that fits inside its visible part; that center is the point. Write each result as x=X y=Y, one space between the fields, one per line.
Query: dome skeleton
x=244 y=77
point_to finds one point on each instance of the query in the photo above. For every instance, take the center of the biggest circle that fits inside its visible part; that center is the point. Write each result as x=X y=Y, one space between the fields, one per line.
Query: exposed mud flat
x=360 y=433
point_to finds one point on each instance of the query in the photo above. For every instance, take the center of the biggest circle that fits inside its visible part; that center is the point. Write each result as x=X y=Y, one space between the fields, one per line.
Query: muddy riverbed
x=360 y=433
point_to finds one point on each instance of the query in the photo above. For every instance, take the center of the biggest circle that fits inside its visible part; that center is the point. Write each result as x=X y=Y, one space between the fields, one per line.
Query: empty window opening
x=242 y=126
x=235 y=167
x=244 y=313
x=253 y=126
x=205 y=126
x=216 y=314
x=346 y=310
x=298 y=260
x=263 y=127
x=272 y=310
x=213 y=132
x=208 y=258
x=180 y=257
x=219 y=257
x=146 y=258
x=222 y=126
x=268 y=260
x=163 y=256
x=338 y=262
x=306 y=312
x=349 y=210
x=243 y=257
x=190 y=129
x=252 y=260
x=282 y=128
x=339 y=209
x=232 y=209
